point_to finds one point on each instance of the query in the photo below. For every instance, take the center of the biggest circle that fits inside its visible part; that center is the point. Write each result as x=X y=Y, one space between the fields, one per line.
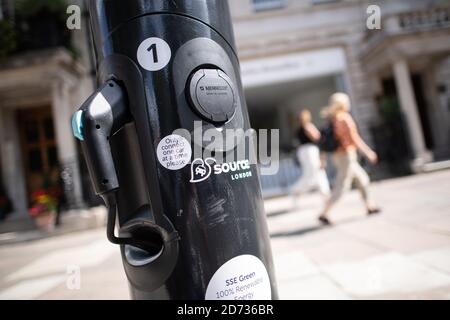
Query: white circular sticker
x=174 y=152
x=241 y=278
x=153 y=54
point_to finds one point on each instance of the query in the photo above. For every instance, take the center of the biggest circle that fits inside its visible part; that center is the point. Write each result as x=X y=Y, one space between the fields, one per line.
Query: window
x=261 y=5
x=323 y=1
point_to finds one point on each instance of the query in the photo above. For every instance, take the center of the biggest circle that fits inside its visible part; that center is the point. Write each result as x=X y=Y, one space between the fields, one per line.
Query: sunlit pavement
x=402 y=253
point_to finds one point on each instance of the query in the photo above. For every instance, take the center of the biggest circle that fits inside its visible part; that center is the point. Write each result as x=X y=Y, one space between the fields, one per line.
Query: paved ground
x=402 y=253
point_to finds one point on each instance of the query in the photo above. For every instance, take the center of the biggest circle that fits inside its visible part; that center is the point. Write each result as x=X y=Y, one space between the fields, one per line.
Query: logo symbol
x=200 y=169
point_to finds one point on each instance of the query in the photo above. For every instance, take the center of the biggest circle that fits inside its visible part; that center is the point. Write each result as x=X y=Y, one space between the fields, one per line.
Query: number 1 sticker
x=153 y=54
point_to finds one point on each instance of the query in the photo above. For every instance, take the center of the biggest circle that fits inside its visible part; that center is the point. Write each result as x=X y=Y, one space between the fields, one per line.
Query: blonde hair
x=338 y=102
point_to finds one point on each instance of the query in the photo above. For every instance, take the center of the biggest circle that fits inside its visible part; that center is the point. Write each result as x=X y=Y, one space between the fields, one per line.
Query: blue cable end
x=77 y=125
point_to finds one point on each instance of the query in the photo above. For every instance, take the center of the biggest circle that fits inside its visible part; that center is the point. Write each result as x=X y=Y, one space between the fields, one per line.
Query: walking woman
x=308 y=154
x=345 y=156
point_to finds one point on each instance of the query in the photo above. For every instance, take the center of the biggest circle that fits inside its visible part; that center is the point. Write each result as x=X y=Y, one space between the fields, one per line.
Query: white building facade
x=295 y=53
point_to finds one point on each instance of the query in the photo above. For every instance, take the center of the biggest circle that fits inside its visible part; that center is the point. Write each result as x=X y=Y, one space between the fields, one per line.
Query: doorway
x=38 y=146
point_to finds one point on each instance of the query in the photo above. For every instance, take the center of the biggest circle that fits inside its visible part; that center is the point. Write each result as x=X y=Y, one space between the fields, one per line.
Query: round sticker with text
x=153 y=54
x=242 y=278
x=174 y=152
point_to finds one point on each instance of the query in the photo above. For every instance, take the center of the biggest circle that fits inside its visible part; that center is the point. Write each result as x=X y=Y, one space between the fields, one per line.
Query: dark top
x=302 y=137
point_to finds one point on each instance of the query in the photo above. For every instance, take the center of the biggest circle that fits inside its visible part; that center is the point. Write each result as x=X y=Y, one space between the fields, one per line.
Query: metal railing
x=280 y=183
x=424 y=20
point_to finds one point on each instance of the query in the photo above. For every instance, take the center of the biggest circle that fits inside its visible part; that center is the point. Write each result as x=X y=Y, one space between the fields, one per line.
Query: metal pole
x=190 y=226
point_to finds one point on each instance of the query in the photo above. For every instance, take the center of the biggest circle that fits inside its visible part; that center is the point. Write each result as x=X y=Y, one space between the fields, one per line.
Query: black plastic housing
x=199 y=226
x=105 y=112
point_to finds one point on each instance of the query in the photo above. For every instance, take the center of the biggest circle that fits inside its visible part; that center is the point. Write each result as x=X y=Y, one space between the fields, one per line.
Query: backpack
x=328 y=141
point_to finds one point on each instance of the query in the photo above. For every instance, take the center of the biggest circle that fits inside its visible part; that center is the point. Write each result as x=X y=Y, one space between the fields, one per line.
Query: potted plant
x=44 y=208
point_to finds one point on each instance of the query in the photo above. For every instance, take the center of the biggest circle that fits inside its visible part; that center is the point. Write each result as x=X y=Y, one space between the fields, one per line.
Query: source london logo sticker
x=202 y=169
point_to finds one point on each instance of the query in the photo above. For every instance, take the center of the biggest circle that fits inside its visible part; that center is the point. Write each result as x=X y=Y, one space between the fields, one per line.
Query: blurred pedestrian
x=308 y=154
x=345 y=155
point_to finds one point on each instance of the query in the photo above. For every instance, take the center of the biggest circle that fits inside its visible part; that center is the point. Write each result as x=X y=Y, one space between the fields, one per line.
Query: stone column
x=437 y=114
x=67 y=151
x=408 y=105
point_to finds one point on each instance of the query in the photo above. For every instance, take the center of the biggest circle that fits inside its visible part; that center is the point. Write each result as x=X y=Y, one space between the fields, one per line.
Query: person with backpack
x=308 y=155
x=343 y=140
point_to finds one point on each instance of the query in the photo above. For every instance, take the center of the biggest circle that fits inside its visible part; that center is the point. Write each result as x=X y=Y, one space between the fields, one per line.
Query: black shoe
x=324 y=221
x=373 y=211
